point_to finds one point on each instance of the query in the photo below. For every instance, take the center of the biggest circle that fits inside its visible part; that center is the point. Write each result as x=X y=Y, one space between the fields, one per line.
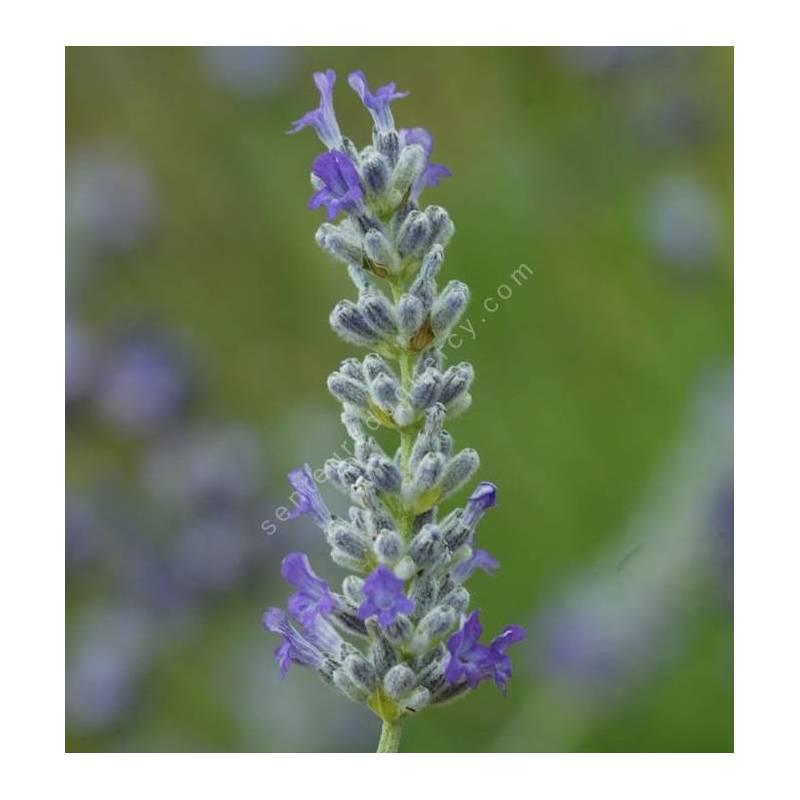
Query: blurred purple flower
x=111 y=202
x=211 y=554
x=144 y=386
x=209 y=467
x=249 y=71
x=107 y=651
x=684 y=223
x=80 y=362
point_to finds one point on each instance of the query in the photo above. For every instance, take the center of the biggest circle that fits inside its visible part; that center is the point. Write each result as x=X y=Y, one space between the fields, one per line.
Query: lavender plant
x=404 y=597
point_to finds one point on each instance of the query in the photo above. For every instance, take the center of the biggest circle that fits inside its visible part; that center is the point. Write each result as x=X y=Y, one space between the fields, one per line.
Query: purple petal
x=418 y=136
x=378 y=103
x=310 y=500
x=322 y=119
x=479 y=559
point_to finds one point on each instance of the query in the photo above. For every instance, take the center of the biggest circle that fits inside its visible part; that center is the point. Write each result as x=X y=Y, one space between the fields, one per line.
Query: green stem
x=390 y=737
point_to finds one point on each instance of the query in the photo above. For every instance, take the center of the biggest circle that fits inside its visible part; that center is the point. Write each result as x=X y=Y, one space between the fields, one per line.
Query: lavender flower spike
x=311 y=502
x=377 y=104
x=340 y=188
x=384 y=597
x=405 y=565
x=322 y=119
x=313 y=597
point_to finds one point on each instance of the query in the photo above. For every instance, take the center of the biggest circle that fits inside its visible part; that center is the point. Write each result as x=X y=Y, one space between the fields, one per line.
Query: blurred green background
x=198 y=346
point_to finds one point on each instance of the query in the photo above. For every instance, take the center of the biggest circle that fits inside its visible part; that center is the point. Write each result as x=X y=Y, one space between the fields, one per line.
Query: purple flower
x=313 y=597
x=341 y=188
x=322 y=119
x=384 y=596
x=482 y=499
x=500 y=663
x=472 y=661
x=468 y=657
x=308 y=649
x=433 y=173
x=377 y=104
x=311 y=501
x=479 y=559
x=418 y=136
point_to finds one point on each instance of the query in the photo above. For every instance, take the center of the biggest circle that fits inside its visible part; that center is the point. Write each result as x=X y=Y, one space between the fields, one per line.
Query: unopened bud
x=399 y=681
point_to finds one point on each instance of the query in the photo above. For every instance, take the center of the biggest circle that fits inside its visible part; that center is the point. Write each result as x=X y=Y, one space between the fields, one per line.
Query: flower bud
x=426 y=546
x=413 y=234
x=458 y=600
x=440 y=225
x=430 y=359
x=405 y=568
x=346 y=390
x=460 y=469
x=381 y=653
x=346 y=561
x=433 y=627
x=384 y=473
x=360 y=672
x=374 y=365
x=400 y=631
x=425 y=389
x=341 y=242
x=456 y=382
x=423 y=592
x=403 y=415
x=379 y=251
x=375 y=170
x=410 y=164
x=342 y=537
x=384 y=392
x=352 y=588
x=399 y=681
x=425 y=290
x=432 y=262
x=342 y=681
x=389 y=547
x=448 y=307
x=349 y=323
x=428 y=473
x=387 y=144
x=410 y=314
x=416 y=700
x=378 y=313
x=351 y=367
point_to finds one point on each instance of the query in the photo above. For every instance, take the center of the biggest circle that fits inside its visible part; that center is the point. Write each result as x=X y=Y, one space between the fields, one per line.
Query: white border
x=766 y=423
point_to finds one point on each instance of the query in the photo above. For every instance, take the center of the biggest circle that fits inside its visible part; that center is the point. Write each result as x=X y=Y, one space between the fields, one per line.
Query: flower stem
x=390 y=737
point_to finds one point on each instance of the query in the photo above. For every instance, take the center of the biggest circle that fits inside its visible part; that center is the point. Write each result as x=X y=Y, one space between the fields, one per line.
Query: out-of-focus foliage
x=198 y=346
